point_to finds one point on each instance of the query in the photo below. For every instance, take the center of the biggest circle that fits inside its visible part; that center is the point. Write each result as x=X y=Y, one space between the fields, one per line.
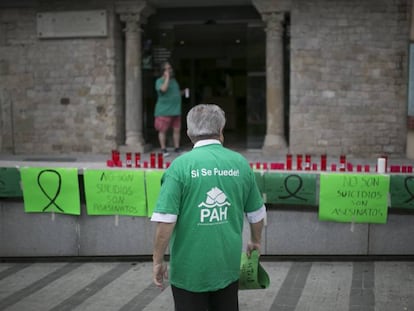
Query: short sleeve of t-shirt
x=158 y=84
x=170 y=196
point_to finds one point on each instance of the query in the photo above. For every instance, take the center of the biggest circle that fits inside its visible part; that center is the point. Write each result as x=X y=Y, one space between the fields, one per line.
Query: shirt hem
x=209 y=289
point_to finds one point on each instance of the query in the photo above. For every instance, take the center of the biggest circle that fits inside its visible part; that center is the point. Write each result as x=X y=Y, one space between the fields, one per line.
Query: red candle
x=137 y=159
x=314 y=166
x=128 y=159
x=288 y=161
x=342 y=163
x=265 y=165
x=115 y=156
x=349 y=167
x=160 y=161
x=152 y=160
x=258 y=165
x=409 y=169
x=299 y=162
x=110 y=163
x=359 y=168
x=366 y=168
x=145 y=164
x=280 y=166
x=307 y=162
x=404 y=169
x=333 y=167
x=386 y=162
x=323 y=162
x=395 y=168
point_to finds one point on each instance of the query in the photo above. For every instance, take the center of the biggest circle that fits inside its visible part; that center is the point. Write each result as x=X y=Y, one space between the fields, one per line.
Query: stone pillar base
x=274 y=145
x=142 y=148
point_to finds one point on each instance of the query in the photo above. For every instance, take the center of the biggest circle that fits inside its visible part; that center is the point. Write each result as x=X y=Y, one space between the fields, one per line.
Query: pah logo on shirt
x=214 y=209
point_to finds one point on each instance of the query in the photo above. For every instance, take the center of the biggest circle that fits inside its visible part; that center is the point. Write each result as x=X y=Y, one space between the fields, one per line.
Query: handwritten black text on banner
x=360 y=198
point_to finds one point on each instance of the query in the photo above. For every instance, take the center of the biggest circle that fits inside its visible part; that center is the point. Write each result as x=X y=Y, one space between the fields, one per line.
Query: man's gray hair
x=205 y=121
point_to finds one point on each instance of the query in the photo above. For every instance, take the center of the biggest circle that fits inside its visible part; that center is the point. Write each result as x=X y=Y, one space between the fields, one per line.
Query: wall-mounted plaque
x=72 y=24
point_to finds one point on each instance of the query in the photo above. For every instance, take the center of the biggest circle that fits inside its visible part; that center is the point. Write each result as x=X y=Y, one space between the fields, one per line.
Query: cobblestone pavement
x=295 y=286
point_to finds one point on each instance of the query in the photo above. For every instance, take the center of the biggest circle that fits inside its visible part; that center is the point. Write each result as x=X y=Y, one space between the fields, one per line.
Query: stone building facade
x=347 y=81
x=59 y=95
x=349 y=76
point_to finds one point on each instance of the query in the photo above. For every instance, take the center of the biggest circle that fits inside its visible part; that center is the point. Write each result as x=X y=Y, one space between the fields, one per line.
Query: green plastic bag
x=252 y=274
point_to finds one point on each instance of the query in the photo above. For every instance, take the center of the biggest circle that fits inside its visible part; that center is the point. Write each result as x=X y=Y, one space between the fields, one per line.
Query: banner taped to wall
x=290 y=188
x=359 y=198
x=115 y=192
x=402 y=191
x=51 y=190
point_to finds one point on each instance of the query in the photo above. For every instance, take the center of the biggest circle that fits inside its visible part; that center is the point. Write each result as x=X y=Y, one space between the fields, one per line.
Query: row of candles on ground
x=344 y=166
x=157 y=161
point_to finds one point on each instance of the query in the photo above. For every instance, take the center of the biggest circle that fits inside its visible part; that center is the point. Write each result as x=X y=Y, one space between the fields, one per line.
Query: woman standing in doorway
x=168 y=108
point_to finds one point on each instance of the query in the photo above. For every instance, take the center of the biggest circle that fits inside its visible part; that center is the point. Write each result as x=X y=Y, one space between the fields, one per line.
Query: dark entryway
x=219 y=53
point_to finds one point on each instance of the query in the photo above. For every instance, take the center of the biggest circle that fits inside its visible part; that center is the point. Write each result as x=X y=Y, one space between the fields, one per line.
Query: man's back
x=209 y=189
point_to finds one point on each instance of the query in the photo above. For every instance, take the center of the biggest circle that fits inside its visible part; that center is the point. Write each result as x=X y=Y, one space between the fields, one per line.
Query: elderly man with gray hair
x=204 y=196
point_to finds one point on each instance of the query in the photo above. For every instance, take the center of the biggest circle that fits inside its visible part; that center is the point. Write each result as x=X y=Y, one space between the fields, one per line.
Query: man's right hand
x=160 y=272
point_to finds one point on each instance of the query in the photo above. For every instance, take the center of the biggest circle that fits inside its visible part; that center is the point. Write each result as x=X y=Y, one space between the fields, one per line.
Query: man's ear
x=221 y=136
x=189 y=136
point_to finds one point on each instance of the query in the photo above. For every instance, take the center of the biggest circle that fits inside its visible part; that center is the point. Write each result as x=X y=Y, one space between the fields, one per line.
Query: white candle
x=381 y=165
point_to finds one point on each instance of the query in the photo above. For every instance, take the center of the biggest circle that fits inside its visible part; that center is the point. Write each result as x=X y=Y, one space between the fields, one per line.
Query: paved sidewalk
x=295 y=286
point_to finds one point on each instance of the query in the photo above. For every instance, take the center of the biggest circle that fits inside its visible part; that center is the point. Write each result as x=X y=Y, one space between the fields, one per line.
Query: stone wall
x=349 y=76
x=348 y=80
x=59 y=95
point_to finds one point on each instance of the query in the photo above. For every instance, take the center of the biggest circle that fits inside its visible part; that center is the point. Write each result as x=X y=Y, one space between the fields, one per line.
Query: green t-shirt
x=209 y=188
x=169 y=102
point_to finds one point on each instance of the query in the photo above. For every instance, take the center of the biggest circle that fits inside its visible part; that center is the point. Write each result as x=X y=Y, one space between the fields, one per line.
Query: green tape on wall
x=355 y=198
x=51 y=190
x=260 y=181
x=115 y=192
x=153 y=184
x=10 y=182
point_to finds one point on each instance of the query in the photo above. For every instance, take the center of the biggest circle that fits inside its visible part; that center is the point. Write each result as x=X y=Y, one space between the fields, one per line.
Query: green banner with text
x=288 y=188
x=402 y=191
x=359 y=198
x=51 y=190
x=115 y=192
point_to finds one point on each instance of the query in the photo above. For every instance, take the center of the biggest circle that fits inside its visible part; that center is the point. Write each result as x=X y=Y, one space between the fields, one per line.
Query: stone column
x=273 y=16
x=410 y=118
x=275 y=136
x=133 y=82
x=133 y=13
